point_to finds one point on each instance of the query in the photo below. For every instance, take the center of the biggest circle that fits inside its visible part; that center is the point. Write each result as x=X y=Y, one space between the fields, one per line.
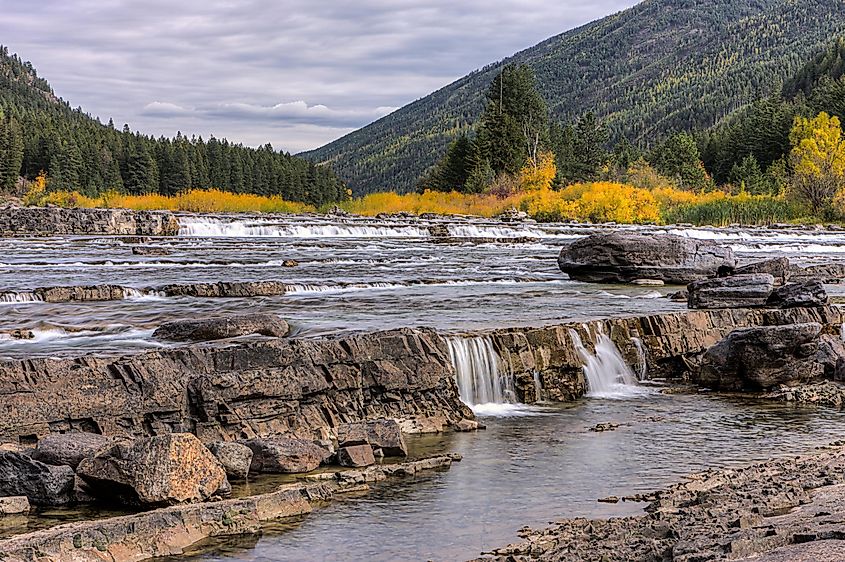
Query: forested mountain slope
x=659 y=67
x=41 y=132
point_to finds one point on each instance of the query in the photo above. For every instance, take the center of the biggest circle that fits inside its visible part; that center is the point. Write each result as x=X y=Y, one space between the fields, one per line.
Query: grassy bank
x=593 y=202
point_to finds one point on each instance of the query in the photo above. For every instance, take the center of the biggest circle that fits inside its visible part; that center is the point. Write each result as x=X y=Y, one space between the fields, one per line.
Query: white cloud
x=295 y=73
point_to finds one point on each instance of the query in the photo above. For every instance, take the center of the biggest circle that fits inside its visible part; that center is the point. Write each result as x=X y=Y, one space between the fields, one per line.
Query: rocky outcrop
x=280 y=387
x=830 y=273
x=763 y=358
x=778 y=268
x=172 y=530
x=282 y=455
x=796 y=295
x=622 y=257
x=235 y=458
x=80 y=293
x=209 y=329
x=770 y=511
x=736 y=291
x=43 y=484
x=166 y=469
x=55 y=221
x=69 y=449
x=227 y=290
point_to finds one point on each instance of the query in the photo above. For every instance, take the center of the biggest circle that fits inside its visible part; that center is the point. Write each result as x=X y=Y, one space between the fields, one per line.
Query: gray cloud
x=295 y=73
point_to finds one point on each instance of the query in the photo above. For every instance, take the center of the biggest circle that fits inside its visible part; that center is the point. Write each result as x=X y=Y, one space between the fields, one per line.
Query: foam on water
x=19 y=298
x=216 y=228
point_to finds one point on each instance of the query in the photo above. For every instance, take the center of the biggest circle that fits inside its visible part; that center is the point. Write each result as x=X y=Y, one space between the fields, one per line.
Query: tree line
x=40 y=132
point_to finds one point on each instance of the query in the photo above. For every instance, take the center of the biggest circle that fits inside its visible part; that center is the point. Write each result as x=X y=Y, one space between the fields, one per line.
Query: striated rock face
x=794 y=295
x=778 y=268
x=54 y=221
x=209 y=329
x=296 y=388
x=166 y=469
x=43 y=484
x=831 y=273
x=736 y=291
x=233 y=289
x=69 y=449
x=78 y=293
x=622 y=257
x=764 y=357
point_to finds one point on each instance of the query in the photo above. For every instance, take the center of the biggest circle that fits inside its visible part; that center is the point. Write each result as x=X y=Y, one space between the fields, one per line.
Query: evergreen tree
x=11 y=152
x=678 y=158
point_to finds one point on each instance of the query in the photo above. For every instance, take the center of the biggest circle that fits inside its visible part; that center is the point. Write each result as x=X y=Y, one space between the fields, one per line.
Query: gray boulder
x=209 y=329
x=621 y=257
x=43 y=484
x=356 y=456
x=385 y=435
x=282 y=455
x=830 y=273
x=235 y=458
x=799 y=295
x=763 y=358
x=736 y=291
x=778 y=268
x=69 y=449
x=162 y=470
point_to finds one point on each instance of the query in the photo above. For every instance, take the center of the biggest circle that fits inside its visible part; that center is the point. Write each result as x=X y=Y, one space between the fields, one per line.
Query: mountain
x=41 y=132
x=657 y=68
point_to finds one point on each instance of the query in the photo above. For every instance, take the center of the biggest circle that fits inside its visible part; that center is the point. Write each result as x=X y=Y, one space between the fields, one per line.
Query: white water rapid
x=482 y=384
x=608 y=376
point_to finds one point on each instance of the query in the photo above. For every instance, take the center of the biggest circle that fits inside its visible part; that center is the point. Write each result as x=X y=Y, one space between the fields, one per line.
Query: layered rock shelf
x=56 y=221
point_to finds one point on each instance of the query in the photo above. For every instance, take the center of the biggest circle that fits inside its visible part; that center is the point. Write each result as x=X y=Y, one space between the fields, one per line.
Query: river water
x=353 y=275
x=530 y=466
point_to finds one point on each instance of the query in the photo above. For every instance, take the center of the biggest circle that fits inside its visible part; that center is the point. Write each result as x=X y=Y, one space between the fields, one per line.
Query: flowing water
x=532 y=464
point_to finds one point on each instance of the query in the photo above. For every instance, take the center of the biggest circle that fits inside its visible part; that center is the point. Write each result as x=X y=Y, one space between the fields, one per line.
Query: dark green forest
x=661 y=67
x=39 y=131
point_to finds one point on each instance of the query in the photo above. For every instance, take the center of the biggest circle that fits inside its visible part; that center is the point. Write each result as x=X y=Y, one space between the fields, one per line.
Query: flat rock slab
x=210 y=329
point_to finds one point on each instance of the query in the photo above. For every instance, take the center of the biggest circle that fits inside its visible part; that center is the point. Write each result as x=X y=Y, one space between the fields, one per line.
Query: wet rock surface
x=735 y=291
x=69 y=449
x=167 y=469
x=769 y=511
x=209 y=329
x=763 y=357
x=225 y=290
x=621 y=257
x=43 y=484
x=55 y=221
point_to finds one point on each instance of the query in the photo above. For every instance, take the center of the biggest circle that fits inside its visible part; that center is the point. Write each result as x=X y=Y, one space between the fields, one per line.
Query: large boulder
x=69 y=449
x=162 y=470
x=799 y=295
x=622 y=257
x=209 y=329
x=383 y=434
x=778 y=268
x=736 y=291
x=282 y=455
x=43 y=484
x=764 y=357
x=235 y=458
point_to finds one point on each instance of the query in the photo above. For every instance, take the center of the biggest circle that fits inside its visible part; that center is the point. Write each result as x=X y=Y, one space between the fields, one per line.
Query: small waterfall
x=642 y=359
x=132 y=293
x=204 y=227
x=479 y=373
x=608 y=376
x=16 y=298
x=538 y=387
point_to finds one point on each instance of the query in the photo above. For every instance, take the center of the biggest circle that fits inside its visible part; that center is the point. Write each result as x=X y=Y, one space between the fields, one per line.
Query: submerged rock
x=795 y=295
x=81 y=294
x=150 y=251
x=235 y=458
x=167 y=469
x=69 y=449
x=763 y=358
x=736 y=291
x=282 y=455
x=209 y=329
x=380 y=434
x=621 y=257
x=43 y=484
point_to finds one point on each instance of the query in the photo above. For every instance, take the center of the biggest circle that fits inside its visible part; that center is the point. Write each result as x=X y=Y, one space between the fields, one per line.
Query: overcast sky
x=297 y=73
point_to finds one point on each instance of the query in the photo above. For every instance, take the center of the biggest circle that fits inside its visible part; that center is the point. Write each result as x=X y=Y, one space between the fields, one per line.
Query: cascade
x=538 y=387
x=208 y=227
x=607 y=374
x=479 y=376
x=642 y=360
x=19 y=297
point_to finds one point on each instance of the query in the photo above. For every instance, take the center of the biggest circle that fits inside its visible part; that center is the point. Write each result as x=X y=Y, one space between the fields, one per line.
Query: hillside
x=41 y=132
x=659 y=67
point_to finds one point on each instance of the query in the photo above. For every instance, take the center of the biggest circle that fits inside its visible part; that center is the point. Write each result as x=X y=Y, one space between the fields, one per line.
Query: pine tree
x=11 y=152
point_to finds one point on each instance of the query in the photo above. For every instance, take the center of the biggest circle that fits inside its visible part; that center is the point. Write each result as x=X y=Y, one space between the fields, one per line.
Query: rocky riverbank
x=56 y=221
x=790 y=509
